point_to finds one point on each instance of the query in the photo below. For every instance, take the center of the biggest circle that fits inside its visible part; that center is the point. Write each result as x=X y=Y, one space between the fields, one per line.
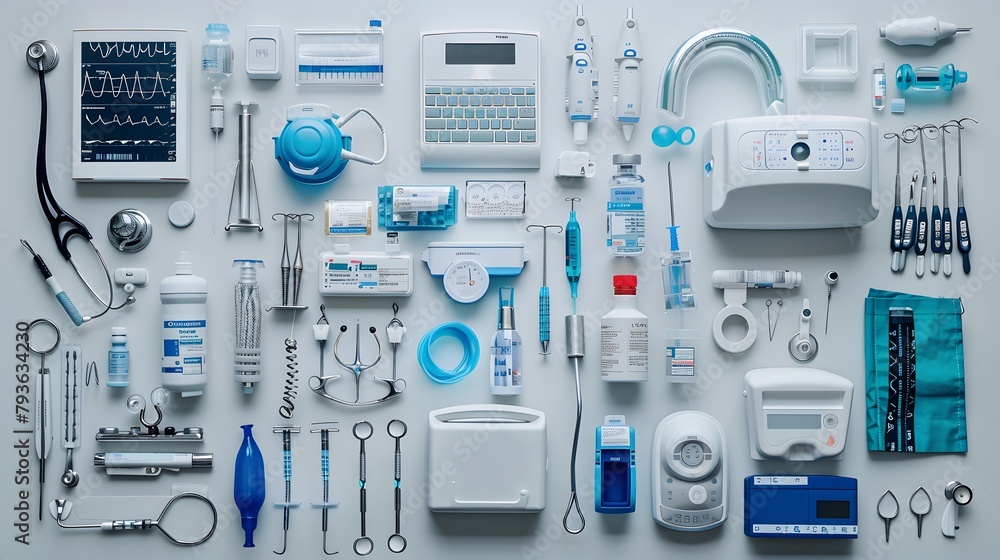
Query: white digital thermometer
x=582 y=82
x=628 y=80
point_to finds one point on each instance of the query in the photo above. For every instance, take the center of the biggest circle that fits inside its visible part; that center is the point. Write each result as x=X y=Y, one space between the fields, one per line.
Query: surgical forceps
x=395 y=385
x=288 y=271
x=60 y=509
x=42 y=56
x=43 y=397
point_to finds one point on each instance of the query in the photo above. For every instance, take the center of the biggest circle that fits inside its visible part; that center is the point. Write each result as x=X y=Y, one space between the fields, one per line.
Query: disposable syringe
x=678 y=296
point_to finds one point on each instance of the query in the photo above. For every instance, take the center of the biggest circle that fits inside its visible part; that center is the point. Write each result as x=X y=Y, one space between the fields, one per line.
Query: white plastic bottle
x=118 y=358
x=625 y=336
x=626 y=221
x=185 y=328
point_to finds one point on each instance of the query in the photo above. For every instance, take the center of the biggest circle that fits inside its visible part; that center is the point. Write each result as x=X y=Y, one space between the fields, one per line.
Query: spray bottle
x=625 y=335
x=626 y=222
x=505 y=350
x=185 y=328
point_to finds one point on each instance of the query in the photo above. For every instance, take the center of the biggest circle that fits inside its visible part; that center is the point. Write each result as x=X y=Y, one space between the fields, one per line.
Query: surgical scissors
x=318 y=382
x=63 y=225
x=60 y=509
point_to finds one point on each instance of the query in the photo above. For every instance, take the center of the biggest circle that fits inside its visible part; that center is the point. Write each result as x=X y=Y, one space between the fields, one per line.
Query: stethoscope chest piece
x=130 y=230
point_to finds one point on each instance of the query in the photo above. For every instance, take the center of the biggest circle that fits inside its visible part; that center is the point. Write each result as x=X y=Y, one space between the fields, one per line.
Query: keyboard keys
x=495 y=124
x=505 y=124
x=429 y=100
x=441 y=101
x=505 y=91
x=497 y=100
x=470 y=90
x=451 y=124
x=484 y=124
x=524 y=124
x=509 y=101
x=434 y=124
x=517 y=91
x=446 y=90
x=481 y=136
x=527 y=113
x=522 y=101
x=431 y=136
x=493 y=91
x=531 y=101
x=513 y=136
x=432 y=90
x=463 y=124
x=501 y=113
x=528 y=136
x=474 y=101
x=480 y=113
x=481 y=91
x=487 y=101
x=530 y=91
x=463 y=101
x=470 y=113
x=460 y=136
x=432 y=112
x=444 y=137
x=452 y=100
x=473 y=124
x=499 y=136
x=491 y=113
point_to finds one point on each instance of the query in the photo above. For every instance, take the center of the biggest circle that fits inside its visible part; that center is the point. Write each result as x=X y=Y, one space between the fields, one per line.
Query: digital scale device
x=797 y=414
x=800 y=507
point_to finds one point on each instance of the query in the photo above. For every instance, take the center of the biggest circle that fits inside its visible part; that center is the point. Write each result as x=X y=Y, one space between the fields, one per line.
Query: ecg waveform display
x=128 y=101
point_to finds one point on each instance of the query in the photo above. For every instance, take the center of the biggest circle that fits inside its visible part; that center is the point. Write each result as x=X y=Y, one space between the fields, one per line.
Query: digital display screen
x=479 y=53
x=833 y=509
x=793 y=421
x=128 y=102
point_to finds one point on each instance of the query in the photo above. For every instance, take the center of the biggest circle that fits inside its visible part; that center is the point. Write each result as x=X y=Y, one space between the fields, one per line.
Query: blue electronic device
x=800 y=507
x=614 y=466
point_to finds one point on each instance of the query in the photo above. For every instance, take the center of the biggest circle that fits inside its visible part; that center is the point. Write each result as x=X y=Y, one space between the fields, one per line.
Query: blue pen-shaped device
x=544 y=306
x=64 y=300
x=573 y=264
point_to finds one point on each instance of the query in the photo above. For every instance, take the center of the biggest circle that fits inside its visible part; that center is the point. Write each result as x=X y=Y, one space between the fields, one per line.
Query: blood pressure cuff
x=915 y=374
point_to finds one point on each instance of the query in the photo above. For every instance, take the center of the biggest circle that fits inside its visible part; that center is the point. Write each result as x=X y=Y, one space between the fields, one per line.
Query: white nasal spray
x=581 y=81
x=628 y=81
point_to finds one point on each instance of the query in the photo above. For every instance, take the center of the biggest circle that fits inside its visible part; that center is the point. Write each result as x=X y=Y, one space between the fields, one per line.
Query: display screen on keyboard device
x=479 y=100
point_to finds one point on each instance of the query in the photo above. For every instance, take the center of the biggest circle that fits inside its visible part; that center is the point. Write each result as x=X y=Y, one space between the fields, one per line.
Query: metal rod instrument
x=286 y=461
x=324 y=470
x=60 y=510
x=244 y=183
x=397 y=429
x=43 y=408
x=72 y=414
x=544 y=321
x=363 y=545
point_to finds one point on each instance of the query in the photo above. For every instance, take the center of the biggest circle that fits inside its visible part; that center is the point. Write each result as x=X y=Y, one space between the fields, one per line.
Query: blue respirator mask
x=312 y=149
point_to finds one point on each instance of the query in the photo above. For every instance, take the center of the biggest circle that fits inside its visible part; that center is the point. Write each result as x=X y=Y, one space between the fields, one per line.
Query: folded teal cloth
x=915 y=373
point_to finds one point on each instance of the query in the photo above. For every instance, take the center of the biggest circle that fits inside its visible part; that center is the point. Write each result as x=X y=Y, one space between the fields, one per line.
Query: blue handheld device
x=614 y=466
x=800 y=507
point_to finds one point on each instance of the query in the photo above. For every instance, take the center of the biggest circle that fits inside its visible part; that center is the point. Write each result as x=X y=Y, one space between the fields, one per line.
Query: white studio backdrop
x=718 y=91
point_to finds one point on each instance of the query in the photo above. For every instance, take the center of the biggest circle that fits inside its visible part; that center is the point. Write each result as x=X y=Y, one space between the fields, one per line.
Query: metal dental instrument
x=72 y=413
x=286 y=461
x=244 y=183
x=42 y=56
x=831 y=279
x=43 y=409
x=923 y=225
x=324 y=470
x=363 y=545
x=946 y=226
x=397 y=429
x=289 y=272
x=575 y=350
x=896 y=241
x=962 y=219
x=909 y=223
x=888 y=508
x=573 y=251
x=318 y=382
x=936 y=229
x=920 y=505
x=60 y=510
x=544 y=327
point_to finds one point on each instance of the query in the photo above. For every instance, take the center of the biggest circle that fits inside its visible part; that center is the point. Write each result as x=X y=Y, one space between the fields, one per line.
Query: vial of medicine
x=505 y=350
x=625 y=335
x=878 y=86
x=118 y=358
x=626 y=222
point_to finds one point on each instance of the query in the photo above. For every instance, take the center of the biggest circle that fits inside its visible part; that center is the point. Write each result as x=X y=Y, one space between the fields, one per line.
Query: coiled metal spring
x=291 y=389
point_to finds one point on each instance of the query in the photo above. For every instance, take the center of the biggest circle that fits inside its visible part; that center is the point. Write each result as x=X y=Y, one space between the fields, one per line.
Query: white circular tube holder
x=735 y=296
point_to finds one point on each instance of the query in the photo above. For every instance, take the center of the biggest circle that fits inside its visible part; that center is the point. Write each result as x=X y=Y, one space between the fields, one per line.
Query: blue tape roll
x=464 y=335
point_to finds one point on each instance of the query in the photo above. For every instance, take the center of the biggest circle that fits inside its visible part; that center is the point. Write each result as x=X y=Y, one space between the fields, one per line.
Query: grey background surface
x=718 y=91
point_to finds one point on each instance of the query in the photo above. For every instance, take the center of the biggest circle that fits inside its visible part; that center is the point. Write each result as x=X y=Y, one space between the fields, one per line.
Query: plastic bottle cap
x=118 y=331
x=879 y=66
x=181 y=214
x=214 y=28
x=625 y=284
x=626 y=159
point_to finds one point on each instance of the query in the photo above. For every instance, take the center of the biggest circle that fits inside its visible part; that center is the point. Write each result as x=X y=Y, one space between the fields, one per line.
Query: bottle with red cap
x=625 y=335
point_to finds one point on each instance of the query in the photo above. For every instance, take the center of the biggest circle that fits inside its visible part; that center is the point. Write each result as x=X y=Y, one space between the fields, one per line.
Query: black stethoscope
x=42 y=56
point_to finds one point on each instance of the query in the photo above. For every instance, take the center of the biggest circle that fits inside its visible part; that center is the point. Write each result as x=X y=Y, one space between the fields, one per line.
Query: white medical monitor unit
x=479 y=93
x=131 y=105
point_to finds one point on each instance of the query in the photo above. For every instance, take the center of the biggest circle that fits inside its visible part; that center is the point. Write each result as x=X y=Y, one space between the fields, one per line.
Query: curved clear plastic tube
x=724 y=41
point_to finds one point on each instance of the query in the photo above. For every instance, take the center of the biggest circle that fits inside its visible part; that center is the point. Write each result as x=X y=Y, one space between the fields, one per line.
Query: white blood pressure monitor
x=797 y=414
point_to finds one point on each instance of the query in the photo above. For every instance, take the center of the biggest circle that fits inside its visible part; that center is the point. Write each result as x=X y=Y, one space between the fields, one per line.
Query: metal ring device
x=60 y=510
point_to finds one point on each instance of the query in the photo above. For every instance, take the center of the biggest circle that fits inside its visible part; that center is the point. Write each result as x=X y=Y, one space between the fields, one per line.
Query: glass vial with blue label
x=505 y=350
x=626 y=221
x=185 y=319
x=118 y=358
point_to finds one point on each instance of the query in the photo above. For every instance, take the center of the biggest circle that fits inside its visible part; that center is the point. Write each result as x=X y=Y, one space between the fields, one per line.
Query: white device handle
x=347 y=154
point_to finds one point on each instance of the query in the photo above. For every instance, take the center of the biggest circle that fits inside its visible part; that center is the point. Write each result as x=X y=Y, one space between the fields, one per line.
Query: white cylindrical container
x=185 y=319
x=118 y=358
x=625 y=336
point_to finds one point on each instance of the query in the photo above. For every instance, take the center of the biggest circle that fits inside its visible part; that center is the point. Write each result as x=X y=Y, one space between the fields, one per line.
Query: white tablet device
x=131 y=105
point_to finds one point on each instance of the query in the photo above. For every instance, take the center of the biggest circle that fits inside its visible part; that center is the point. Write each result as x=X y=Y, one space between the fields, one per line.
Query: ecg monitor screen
x=128 y=101
x=479 y=53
